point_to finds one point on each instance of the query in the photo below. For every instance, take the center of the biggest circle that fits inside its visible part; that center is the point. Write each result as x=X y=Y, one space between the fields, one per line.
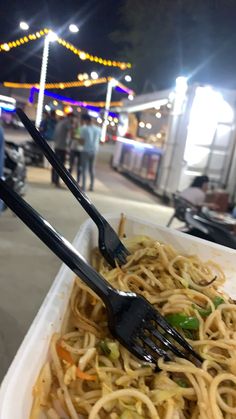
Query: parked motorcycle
x=199 y=223
x=33 y=154
x=14 y=167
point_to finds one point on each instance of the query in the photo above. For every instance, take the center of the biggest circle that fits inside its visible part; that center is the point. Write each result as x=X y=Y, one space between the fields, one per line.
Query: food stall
x=179 y=134
x=142 y=131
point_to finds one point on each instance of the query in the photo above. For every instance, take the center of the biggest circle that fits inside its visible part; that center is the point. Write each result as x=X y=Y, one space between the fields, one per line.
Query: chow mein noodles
x=90 y=375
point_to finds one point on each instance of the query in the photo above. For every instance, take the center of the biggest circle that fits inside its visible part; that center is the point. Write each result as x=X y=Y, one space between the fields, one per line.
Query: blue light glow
x=120 y=89
x=8 y=107
x=65 y=99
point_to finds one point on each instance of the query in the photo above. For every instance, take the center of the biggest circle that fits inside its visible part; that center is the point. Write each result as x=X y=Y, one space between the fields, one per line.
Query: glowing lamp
x=68 y=109
x=94 y=75
x=24 y=26
x=82 y=55
x=128 y=78
x=73 y=28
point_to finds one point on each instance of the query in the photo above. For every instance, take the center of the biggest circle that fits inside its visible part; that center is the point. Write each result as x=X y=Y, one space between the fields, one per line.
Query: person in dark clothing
x=61 y=138
x=90 y=136
x=75 y=151
x=47 y=126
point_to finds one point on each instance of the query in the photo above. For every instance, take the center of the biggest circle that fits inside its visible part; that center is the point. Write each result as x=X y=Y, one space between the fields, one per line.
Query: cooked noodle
x=90 y=375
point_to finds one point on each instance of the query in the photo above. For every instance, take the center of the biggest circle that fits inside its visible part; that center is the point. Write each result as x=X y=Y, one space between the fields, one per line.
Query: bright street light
x=94 y=75
x=52 y=36
x=181 y=84
x=73 y=28
x=128 y=78
x=24 y=26
x=110 y=85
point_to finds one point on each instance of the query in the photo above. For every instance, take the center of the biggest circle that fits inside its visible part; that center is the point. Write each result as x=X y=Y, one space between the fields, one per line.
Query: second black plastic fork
x=109 y=243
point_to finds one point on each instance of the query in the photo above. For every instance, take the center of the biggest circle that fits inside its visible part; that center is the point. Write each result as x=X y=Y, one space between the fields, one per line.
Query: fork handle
x=56 y=242
x=62 y=171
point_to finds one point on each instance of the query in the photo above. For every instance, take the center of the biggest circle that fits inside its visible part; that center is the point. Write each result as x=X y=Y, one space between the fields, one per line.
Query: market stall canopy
x=146 y=101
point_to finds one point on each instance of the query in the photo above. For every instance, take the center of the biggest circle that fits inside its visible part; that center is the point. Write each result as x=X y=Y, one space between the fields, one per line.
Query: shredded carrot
x=64 y=354
x=84 y=375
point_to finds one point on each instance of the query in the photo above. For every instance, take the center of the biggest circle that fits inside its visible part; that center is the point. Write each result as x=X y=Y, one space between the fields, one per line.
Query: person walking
x=75 y=151
x=47 y=128
x=61 y=137
x=1 y=161
x=90 y=136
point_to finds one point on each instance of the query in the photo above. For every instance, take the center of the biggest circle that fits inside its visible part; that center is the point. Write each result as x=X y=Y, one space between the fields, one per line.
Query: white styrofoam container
x=16 y=388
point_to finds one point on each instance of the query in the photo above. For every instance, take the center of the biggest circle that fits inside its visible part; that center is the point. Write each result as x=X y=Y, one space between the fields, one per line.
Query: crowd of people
x=78 y=136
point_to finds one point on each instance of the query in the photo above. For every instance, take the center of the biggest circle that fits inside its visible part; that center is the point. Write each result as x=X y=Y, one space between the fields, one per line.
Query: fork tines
x=150 y=335
x=121 y=254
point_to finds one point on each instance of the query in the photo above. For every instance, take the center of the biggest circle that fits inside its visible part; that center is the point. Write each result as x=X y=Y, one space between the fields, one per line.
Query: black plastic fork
x=109 y=243
x=132 y=320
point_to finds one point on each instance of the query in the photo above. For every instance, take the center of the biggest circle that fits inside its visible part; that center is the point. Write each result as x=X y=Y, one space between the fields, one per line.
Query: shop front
x=180 y=134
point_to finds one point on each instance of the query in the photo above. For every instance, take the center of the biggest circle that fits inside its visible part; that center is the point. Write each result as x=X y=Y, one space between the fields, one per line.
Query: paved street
x=27 y=267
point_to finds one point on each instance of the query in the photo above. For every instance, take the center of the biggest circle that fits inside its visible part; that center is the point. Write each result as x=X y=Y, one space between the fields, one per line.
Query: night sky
x=96 y=20
x=162 y=39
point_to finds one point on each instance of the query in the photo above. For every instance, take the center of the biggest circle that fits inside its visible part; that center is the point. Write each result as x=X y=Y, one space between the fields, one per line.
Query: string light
x=69 y=84
x=59 y=85
x=158 y=115
x=67 y=100
x=59 y=112
x=148 y=125
x=68 y=109
x=7 y=46
x=94 y=75
x=141 y=124
x=82 y=55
